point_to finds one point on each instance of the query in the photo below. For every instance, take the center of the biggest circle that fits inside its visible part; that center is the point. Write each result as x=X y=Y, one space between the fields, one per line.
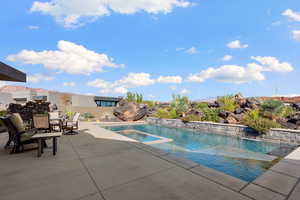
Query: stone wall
x=274 y=135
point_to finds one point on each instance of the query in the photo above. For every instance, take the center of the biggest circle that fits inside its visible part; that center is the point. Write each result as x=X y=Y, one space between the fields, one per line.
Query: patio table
x=43 y=136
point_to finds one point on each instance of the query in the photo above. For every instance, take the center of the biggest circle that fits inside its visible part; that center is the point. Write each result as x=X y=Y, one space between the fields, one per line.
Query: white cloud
x=180 y=49
x=73 y=13
x=184 y=91
x=227 y=58
x=35 y=78
x=292 y=15
x=237 y=45
x=69 y=84
x=192 y=50
x=169 y=79
x=242 y=74
x=273 y=64
x=70 y=58
x=132 y=80
x=33 y=27
x=229 y=73
x=296 y=35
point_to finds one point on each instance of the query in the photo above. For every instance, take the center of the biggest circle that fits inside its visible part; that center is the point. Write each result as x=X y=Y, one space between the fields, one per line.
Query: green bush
x=180 y=103
x=227 y=103
x=272 y=109
x=150 y=104
x=166 y=113
x=88 y=116
x=202 y=105
x=258 y=123
x=286 y=111
x=210 y=114
x=190 y=118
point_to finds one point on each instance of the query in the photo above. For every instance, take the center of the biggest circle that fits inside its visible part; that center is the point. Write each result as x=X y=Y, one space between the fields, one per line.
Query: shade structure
x=8 y=73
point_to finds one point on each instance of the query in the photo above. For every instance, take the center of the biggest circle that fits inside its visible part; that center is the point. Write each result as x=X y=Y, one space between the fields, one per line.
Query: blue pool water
x=244 y=159
x=140 y=137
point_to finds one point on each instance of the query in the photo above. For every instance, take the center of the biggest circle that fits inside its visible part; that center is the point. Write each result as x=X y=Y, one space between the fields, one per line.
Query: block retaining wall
x=274 y=135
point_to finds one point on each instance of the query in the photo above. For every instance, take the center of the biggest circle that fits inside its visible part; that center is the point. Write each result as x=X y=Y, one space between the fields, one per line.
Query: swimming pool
x=244 y=159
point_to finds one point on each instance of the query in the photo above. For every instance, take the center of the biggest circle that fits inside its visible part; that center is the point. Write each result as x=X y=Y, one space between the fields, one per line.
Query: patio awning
x=8 y=73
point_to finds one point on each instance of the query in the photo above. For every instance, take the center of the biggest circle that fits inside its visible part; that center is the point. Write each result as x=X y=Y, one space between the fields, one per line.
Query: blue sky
x=201 y=48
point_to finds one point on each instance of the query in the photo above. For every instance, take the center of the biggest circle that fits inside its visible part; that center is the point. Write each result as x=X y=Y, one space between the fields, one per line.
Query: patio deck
x=99 y=164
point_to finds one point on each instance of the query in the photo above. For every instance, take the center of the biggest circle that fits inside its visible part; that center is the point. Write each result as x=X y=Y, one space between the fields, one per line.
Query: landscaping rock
x=296 y=106
x=195 y=112
x=294 y=118
x=239 y=111
x=240 y=100
x=130 y=111
x=231 y=119
x=224 y=114
x=214 y=104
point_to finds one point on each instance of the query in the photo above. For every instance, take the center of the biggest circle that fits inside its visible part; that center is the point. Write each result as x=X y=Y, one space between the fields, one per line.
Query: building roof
x=15 y=88
x=100 y=98
x=8 y=73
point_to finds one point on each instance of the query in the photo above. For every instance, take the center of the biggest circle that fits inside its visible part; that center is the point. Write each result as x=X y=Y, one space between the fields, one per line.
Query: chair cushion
x=17 y=122
x=26 y=136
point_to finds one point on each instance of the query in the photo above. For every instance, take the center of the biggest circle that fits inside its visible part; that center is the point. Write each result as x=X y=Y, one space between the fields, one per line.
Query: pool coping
x=263 y=185
x=159 y=141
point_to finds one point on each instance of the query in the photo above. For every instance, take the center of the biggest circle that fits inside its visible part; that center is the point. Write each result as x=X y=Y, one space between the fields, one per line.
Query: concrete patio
x=99 y=164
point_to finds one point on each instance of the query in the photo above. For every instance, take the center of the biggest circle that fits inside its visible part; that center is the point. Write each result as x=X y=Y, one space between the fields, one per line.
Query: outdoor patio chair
x=17 y=133
x=55 y=121
x=71 y=125
x=41 y=122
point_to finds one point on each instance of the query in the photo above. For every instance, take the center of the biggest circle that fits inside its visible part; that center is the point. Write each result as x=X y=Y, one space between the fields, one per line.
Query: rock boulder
x=130 y=111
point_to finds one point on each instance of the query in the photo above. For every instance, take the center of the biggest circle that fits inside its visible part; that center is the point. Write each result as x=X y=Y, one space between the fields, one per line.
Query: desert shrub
x=134 y=97
x=202 y=105
x=272 y=109
x=191 y=118
x=259 y=123
x=166 y=113
x=180 y=104
x=227 y=103
x=88 y=116
x=150 y=104
x=286 y=111
x=210 y=114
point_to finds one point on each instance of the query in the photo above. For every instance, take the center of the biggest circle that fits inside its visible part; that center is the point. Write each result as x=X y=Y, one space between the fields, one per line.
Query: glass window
x=101 y=103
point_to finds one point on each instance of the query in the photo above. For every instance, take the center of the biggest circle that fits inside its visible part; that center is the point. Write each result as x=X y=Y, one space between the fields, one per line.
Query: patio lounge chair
x=17 y=133
x=71 y=125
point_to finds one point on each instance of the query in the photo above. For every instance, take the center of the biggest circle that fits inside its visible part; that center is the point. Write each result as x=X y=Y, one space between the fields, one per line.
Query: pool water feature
x=241 y=158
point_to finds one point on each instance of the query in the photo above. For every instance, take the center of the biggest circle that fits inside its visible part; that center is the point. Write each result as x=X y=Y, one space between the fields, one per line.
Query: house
x=101 y=107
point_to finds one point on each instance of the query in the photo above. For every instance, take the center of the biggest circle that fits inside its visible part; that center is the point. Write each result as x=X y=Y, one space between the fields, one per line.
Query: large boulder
x=294 y=118
x=195 y=112
x=224 y=114
x=296 y=106
x=231 y=119
x=214 y=104
x=286 y=124
x=240 y=100
x=130 y=111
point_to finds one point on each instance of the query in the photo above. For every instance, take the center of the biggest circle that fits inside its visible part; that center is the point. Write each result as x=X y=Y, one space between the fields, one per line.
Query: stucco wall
x=274 y=135
x=83 y=101
x=5 y=98
x=101 y=113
